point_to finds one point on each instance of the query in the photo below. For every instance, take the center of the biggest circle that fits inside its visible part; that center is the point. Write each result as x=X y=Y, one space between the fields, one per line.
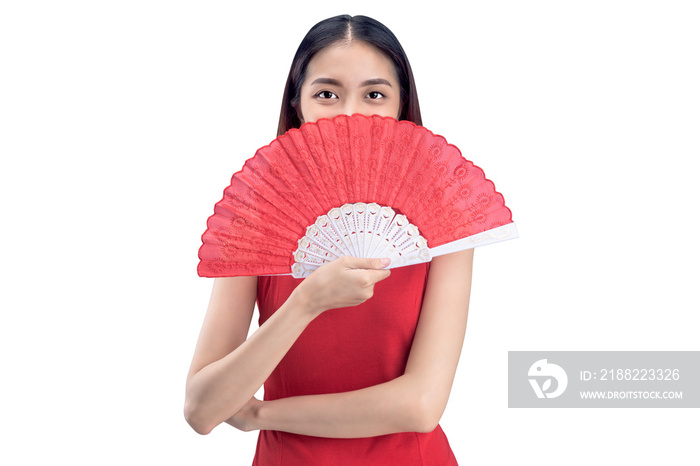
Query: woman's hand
x=347 y=281
x=412 y=402
x=244 y=419
x=228 y=369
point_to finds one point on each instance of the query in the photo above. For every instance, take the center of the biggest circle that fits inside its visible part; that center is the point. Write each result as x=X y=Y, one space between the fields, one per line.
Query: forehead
x=354 y=61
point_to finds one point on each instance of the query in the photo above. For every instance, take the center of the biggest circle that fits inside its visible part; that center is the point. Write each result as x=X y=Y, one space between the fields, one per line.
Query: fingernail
x=385 y=261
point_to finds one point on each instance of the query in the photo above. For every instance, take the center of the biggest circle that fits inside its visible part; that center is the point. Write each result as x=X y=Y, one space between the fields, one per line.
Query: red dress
x=343 y=350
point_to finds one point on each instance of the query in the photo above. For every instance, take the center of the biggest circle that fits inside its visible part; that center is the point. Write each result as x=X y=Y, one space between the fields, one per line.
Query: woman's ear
x=297 y=109
x=401 y=107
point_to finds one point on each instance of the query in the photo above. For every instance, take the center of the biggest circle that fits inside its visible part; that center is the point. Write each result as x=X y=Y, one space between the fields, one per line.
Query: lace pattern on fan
x=331 y=163
x=359 y=230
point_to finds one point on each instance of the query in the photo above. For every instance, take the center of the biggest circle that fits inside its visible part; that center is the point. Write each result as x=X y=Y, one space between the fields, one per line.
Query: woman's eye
x=374 y=95
x=326 y=95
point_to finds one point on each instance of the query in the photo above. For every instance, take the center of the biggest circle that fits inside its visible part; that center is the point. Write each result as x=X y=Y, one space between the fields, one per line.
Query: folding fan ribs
x=360 y=230
x=351 y=185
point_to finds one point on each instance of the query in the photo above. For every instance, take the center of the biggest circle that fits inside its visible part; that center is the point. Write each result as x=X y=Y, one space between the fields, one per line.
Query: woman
x=357 y=361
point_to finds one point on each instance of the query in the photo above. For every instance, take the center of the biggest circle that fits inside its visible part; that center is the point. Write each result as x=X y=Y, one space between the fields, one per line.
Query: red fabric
x=348 y=349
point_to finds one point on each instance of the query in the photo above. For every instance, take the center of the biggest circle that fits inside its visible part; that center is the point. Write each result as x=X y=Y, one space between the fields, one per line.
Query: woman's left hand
x=244 y=419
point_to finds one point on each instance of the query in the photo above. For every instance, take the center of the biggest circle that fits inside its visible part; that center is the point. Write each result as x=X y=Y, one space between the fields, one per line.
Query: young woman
x=357 y=361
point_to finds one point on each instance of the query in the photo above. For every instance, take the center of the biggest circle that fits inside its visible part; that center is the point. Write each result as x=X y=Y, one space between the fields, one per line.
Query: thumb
x=370 y=263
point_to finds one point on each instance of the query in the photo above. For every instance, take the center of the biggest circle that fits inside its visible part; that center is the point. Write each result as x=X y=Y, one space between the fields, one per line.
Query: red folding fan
x=351 y=185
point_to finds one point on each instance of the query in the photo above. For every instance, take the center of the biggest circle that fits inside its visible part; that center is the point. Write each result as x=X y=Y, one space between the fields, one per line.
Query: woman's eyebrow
x=331 y=81
x=374 y=82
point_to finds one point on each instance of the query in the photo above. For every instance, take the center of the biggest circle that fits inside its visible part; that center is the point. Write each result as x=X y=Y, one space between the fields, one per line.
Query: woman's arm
x=227 y=369
x=413 y=402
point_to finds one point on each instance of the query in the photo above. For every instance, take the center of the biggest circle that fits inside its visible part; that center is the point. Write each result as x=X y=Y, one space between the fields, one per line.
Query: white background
x=122 y=122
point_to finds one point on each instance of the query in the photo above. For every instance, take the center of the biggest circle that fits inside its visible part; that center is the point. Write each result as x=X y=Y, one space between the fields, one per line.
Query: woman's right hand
x=344 y=282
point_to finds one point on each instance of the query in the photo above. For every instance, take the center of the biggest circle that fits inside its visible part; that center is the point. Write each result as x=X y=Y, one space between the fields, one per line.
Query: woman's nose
x=351 y=107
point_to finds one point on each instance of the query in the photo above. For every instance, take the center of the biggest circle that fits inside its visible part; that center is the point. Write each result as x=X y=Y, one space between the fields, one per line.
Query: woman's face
x=349 y=78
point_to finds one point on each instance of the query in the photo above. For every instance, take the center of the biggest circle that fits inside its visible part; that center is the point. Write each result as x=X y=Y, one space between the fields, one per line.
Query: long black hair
x=347 y=28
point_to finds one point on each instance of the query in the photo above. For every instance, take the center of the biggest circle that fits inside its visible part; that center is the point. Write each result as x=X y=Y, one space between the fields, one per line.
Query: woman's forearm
x=413 y=402
x=228 y=370
x=387 y=408
x=223 y=387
